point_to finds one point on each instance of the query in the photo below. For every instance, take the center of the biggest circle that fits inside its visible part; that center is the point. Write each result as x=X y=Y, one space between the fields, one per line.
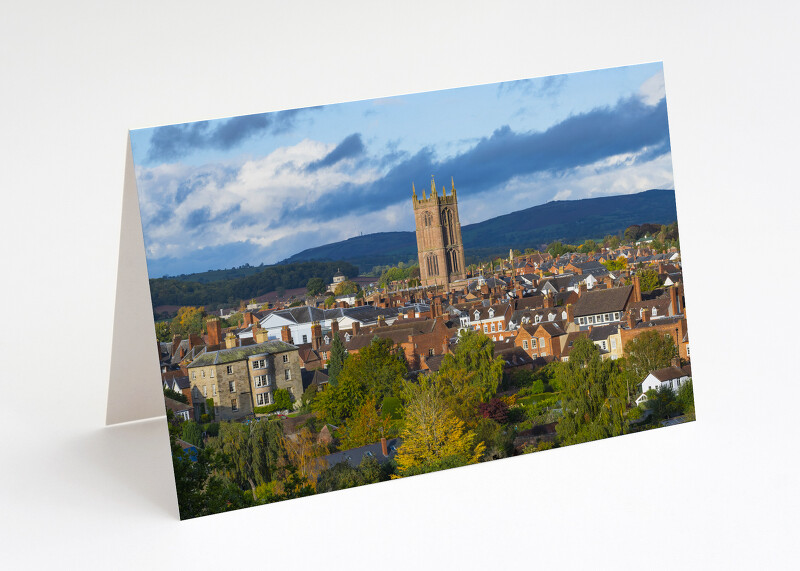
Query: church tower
x=439 y=245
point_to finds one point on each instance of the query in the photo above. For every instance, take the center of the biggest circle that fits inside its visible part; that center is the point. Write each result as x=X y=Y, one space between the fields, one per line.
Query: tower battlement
x=435 y=197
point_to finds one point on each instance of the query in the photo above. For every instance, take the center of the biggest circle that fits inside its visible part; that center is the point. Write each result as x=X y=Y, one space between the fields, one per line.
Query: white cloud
x=652 y=90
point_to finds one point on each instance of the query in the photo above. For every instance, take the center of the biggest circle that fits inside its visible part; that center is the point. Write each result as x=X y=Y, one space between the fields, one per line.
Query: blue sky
x=259 y=188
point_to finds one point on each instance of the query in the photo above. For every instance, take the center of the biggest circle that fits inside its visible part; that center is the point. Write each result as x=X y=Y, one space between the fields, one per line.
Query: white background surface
x=718 y=493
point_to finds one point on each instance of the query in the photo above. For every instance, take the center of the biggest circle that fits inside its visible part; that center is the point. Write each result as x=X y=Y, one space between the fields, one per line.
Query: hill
x=571 y=221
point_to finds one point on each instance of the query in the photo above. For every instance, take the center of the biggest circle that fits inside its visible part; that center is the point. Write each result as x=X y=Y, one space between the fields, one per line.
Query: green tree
x=342 y=475
x=366 y=426
x=434 y=438
x=163 y=332
x=589 y=246
x=593 y=396
x=337 y=359
x=662 y=403
x=648 y=280
x=686 y=399
x=192 y=433
x=474 y=353
x=329 y=301
x=650 y=351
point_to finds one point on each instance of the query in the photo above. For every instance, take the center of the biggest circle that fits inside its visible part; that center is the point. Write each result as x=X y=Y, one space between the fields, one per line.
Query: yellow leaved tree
x=434 y=438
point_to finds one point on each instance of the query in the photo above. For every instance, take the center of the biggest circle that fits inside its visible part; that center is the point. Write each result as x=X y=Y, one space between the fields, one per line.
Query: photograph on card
x=354 y=293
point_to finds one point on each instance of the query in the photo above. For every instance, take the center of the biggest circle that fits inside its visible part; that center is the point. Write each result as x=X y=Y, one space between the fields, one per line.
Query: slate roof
x=668 y=374
x=602 y=332
x=355 y=455
x=239 y=353
x=602 y=301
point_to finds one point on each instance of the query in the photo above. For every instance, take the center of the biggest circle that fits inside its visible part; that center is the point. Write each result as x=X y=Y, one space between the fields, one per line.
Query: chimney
x=631 y=320
x=637 y=289
x=548 y=300
x=176 y=342
x=195 y=340
x=247 y=318
x=673 y=300
x=334 y=327
x=316 y=335
x=570 y=314
x=359 y=302
x=676 y=362
x=214 y=331
x=384 y=447
x=261 y=336
x=286 y=335
x=230 y=340
x=646 y=314
x=582 y=288
x=356 y=327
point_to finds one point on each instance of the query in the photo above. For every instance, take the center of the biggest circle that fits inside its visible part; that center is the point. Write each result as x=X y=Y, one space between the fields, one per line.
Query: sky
x=259 y=188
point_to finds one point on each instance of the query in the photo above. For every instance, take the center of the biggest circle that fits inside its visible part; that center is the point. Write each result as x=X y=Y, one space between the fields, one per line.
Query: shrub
x=180 y=397
x=495 y=409
x=205 y=418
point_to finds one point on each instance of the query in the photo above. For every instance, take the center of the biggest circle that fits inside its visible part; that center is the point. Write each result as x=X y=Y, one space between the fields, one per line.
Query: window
x=492 y=327
x=324 y=355
x=211 y=374
x=194 y=376
x=500 y=326
x=541 y=342
x=261 y=381
x=232 y=386
x=582 y=321
x=431 y=352
x=203 y=373
x=287 y=374
x=613 y=344
x=234 y=405
x=205 y=391
x=260 y=364
x=525 y=344
x=616 y=316
x=263 y=399
x=491 y=313
x=346 y=337
x=214 y=390
x=533 y=343
x=603 y=345
x=286 y=358
x=229 y=369
x=485 y=328
x=327 y=339
x=305 y=338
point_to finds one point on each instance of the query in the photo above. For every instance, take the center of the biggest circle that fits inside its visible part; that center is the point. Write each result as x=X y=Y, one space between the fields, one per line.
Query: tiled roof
x=602 y=301
x=668 y=374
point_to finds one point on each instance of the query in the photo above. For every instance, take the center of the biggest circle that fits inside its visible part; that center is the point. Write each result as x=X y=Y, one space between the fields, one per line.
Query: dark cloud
x=579 y=140
x=351 y=146
x=175 y=141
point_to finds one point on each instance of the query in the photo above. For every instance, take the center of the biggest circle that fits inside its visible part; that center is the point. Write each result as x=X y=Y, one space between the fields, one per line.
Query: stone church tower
x=439 y=245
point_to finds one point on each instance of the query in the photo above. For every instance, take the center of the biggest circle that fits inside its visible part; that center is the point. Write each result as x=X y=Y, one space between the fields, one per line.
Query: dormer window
x=477 y=316
x=491 y=313
x=327 y=339
x=347 y=337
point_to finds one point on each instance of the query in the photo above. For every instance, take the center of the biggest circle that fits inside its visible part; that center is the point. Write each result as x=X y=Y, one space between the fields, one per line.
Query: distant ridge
x=569 y=221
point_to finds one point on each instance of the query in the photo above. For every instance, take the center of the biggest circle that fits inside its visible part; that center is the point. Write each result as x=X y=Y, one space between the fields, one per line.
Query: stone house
x=239 y=378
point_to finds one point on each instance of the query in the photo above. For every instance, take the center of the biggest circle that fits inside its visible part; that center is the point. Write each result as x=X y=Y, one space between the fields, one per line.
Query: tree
x=495 y=409
x=163 y=332
x=329 y=301
x=366 y=426
x=189 y=320
x=304 y=452
x=593 y=396
x=648 y=280
x=686 y=399
x=342 y=475
x=434 y=438
x=282 y=400
x=650 y=351
x=474 y=353
x=589 y=246
x=192 y=433
x=662 y=403
x=346 y=288
x=337 y=359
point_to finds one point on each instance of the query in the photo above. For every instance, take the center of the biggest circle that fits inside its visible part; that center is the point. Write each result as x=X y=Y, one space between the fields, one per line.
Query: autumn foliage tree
x=189 y=320
x=366 y=426
x=434 y=438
